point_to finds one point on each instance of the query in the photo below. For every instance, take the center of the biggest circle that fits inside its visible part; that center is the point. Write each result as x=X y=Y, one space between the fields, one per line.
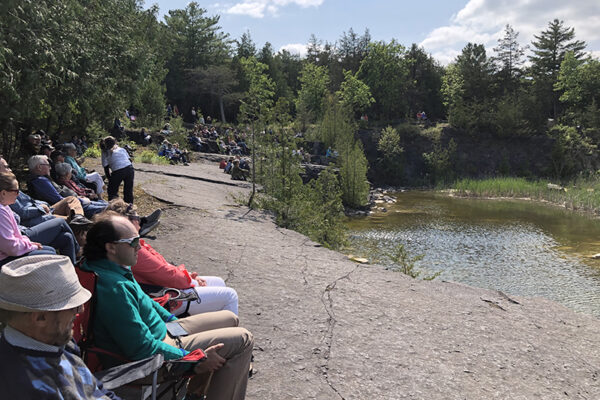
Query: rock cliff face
x=329 y=328
x=476 y=156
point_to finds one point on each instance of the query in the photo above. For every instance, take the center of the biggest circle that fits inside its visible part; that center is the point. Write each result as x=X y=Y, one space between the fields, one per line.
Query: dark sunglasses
x=133 y=242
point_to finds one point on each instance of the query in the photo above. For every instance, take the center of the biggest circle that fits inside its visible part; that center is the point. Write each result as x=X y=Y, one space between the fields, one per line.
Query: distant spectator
x=238 y=173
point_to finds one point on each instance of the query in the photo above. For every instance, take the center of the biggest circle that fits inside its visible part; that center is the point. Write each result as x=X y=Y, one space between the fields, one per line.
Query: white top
x=116 y=158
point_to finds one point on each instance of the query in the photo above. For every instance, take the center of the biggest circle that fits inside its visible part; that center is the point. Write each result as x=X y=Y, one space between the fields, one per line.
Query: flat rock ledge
x=328 y=328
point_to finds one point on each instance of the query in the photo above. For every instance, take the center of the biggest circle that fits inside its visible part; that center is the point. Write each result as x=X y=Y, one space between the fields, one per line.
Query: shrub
x=150 y=157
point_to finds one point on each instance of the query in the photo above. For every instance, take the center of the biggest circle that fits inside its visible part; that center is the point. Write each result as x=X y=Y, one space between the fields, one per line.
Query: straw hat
x=41 y=283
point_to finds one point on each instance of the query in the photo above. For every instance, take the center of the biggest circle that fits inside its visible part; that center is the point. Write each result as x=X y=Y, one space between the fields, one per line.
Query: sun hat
x=41 y=283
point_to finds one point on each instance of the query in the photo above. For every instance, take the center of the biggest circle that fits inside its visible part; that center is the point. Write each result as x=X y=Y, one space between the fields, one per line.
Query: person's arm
x=126 y=326
x=44 y=189
x=11 y=242
x=152 y=268
x=27 y=208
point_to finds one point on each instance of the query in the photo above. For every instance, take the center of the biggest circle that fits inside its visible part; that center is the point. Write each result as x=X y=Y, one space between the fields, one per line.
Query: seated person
x=33 y=212
x=33 y=145
x=46 y=190
x=12 y=243
x=79 y=172
x=39 y=358
x=180 y=155
x=238 y=173
x=128 y=322
x=152 y=269
x=64 y=175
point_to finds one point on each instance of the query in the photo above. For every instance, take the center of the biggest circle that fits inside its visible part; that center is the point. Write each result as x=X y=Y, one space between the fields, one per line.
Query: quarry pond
x=516 y=246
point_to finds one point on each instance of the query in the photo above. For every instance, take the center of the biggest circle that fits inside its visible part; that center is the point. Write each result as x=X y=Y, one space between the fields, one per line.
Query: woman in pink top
x=12 y=243
x=152 y=269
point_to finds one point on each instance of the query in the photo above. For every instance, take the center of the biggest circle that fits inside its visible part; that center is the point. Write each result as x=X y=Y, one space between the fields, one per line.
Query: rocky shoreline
x=329 y=328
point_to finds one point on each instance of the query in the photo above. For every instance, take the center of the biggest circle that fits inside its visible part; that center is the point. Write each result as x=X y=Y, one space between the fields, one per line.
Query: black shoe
x=150 y=222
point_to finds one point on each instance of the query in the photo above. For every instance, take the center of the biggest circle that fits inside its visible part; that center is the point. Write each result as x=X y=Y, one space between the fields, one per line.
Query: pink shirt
x=12 y=243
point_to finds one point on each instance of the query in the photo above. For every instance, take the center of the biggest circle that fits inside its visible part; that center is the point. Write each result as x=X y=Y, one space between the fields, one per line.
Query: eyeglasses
x=133 y=242
x=11 y=190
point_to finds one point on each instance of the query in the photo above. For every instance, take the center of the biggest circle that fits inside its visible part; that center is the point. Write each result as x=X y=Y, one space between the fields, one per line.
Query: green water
x=519 y=247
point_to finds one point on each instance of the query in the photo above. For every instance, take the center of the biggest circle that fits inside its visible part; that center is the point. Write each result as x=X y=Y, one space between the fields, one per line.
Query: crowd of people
x=64 y=223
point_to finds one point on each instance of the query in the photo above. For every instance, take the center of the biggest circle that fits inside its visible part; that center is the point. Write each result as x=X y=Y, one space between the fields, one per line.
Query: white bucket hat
x=41 y=283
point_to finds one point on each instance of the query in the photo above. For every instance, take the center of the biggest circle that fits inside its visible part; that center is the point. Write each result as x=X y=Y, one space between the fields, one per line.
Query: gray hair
x=69 y=146
x=34 y=161
x=62 y=169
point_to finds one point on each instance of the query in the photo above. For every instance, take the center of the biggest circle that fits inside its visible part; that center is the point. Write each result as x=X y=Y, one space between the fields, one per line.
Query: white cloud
x=295 y=48
x=258 y=8
x=483 y=21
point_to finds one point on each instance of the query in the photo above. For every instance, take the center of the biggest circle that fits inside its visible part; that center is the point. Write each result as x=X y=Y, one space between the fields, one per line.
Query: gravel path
x=328 y=328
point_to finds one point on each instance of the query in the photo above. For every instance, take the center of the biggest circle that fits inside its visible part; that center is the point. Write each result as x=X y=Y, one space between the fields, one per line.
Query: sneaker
x=148 y=227
x=151 y=218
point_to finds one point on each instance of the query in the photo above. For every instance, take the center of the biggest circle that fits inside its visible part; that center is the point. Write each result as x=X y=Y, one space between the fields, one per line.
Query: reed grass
x=582 y=194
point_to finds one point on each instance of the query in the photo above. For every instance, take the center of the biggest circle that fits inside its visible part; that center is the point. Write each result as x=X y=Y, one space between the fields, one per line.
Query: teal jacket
x=126 y=320
x=78 y=171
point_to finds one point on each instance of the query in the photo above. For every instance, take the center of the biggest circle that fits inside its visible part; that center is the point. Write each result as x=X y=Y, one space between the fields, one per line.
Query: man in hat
x=40 y=297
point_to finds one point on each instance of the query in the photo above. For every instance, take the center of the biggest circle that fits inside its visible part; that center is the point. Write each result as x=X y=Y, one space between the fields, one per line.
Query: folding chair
x=151 y=377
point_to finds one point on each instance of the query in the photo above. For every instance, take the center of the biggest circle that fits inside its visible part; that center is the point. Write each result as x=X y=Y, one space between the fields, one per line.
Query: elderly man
x=128 y=322
x=46 y=190
x=33 y=212
x=39 y=359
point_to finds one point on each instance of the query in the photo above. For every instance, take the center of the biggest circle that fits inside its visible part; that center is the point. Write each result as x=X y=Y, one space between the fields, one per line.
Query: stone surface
x=328 y=328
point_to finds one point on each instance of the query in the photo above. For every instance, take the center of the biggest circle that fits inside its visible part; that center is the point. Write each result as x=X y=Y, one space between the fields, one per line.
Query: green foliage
x=314 y=81
x=572 y=151
x=95 y=132
x=337 y=130
x=336 y=124
x=177 y=126
x=384 y=70
x=354 y=93
x=92 y=152
x=390 y=146
x=582 y=193
x=425 y=82
x=150 y=157
x=258 y=100
x=314 y=209
x=406 y=264
x=440 y=161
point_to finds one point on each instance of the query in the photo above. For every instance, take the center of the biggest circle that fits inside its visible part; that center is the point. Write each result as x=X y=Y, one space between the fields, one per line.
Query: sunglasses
x=11 y=190
x=133 y=242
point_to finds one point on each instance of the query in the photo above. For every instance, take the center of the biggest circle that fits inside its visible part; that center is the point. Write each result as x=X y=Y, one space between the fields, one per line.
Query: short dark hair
x=102 y=231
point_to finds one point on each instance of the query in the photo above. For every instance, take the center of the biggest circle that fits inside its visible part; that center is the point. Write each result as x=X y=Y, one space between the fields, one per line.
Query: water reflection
x=521 y=248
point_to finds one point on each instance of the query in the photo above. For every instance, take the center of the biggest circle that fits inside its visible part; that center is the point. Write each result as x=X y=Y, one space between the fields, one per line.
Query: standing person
x=39 y=358
x=118 y=168
x=12 y=243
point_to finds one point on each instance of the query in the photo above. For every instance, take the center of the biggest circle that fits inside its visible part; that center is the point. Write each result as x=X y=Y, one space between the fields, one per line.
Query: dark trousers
x=56 y=233
x=116 y=177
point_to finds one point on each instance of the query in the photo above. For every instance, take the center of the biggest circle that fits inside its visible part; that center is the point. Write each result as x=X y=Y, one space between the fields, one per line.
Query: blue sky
x=441 y=27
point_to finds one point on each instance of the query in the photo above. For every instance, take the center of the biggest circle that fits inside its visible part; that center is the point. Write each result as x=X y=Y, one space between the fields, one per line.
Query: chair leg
x=154 y=384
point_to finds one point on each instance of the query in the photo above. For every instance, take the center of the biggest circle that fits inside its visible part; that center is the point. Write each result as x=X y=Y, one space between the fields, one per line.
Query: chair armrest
x=123 y=374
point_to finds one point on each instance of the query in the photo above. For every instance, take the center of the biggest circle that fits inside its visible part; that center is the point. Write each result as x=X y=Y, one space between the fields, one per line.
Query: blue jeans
x=43 y=250
x=94 y=207
x=56 y=233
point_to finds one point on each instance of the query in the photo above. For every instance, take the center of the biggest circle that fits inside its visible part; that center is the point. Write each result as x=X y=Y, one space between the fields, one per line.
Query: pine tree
x=549 y=51
x=509 y=57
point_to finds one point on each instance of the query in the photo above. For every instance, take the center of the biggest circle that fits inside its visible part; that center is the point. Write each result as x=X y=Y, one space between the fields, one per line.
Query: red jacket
x=152 y=269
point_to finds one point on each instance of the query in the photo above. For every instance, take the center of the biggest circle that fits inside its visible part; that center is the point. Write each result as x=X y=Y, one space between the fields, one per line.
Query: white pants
x=97 y=179
x=215 y=296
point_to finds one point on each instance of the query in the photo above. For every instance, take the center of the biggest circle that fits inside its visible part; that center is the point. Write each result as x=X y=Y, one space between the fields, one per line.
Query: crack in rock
x=327 y=301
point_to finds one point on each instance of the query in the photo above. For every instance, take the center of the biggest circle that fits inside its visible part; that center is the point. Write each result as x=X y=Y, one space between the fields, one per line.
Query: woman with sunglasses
x=12 y=243
x=153 y=273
